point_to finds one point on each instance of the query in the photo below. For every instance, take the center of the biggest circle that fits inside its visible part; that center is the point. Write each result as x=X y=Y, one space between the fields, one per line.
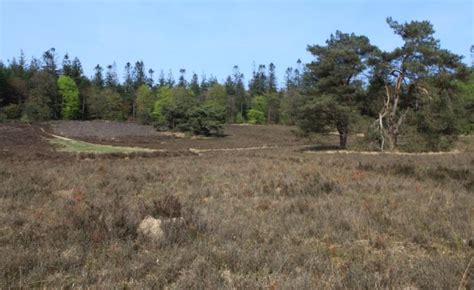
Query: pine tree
x=258 y=84
x=76 y=72
x=238 y=80
x=330 y=102
x=161 y=79
x=98 y=79
x=170 y=80
x=111 y=77
x=139 y=76
x=271 y=81
x=194 y=85
x=49 y=62
x=150 y=82
x=67 y=66
x=182 y=79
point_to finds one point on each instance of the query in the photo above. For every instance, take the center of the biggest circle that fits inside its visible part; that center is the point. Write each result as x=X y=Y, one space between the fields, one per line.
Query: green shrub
x=239 y=119
x=201 y=120
x=11 y=111
x=207 y=120
x=36 y=109
x=256 y=116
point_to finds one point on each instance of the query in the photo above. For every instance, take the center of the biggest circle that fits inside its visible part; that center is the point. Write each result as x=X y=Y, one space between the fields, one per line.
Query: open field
x=130 y=134
x=273 y=218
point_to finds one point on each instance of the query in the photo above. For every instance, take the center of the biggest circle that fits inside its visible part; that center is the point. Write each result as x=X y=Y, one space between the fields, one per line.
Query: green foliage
x=320 y=114
x=256 y=117
x=164 y=100
x=106 y=104
x=438 y=123
x=259 y=103
x=36 y=108
x=217 y=96
x=42 y=102
x=273 y=102
x=258 y=110
x=70 y=93
x=183 y=97
x=419 y=82
x=11 y=111
x=239 y=119
x=334 y=85
x=145 y=104
x=206 y=119
x=178 y=109
x=466 y=91
x=289 y=107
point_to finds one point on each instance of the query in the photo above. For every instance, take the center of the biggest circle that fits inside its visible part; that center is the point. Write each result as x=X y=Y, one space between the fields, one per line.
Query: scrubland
x=276 y=218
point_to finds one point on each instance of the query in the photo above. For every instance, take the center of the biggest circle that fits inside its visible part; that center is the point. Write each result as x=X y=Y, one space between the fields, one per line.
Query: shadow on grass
x=321 y=148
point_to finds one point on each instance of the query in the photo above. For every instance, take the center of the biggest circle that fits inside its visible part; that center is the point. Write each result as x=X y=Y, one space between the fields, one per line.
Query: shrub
x=256 y=116
x=207 y=120
x=167 y=206
x=36 y=108
x=239 y=119
x=11 y=111
x=201 y=120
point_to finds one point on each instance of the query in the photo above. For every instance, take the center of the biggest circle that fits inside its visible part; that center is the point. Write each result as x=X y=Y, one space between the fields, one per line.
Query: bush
x=201 y=120
x=11 y=111
x=36 y=109
x=256 y=116
x=207 y=120
x=239 y=119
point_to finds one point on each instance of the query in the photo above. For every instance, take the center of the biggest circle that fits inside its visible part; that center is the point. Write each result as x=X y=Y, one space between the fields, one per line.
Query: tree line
x=418 y=89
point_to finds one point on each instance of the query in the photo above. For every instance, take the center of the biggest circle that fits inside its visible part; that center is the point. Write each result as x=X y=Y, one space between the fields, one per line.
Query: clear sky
x=212 y=36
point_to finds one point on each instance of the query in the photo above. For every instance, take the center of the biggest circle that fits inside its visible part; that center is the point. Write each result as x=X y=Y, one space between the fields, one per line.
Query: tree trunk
x=391 y=141
x=343 y=140
x=83 y=107
x=343 y=129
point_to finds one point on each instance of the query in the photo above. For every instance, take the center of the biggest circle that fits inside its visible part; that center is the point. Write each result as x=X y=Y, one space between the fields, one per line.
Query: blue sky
x=212 y=36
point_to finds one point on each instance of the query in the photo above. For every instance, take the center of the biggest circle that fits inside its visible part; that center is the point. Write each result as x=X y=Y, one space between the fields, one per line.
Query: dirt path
x=383 y=153
x=55 y=136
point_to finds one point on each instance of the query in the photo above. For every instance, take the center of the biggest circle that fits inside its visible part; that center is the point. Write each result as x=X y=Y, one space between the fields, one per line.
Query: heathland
x=259 y=207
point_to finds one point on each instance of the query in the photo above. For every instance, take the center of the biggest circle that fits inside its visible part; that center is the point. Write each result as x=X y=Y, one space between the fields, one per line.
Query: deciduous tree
x=70 y=94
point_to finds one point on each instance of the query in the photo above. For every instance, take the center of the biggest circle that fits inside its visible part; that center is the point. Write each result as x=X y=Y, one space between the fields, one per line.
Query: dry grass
x=251 y=219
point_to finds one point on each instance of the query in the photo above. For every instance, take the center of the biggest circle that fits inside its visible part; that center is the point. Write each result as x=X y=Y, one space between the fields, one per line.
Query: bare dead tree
x=390 y=118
